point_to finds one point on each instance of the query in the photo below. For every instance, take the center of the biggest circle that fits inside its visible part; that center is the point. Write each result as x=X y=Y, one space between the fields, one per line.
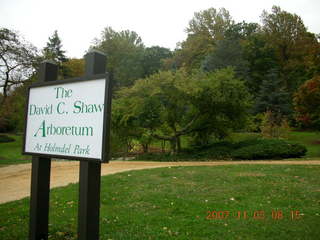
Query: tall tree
x=273 y=97
x=230 y=51
x=296 y=49
x=307 y=103
x=261 y=59
x=18 y=60
x=204 y=30
x=210 y=21
x=53 y=50
x=125 y=52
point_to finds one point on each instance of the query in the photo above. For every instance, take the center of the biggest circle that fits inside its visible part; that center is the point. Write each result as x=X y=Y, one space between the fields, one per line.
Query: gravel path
x=15 y=179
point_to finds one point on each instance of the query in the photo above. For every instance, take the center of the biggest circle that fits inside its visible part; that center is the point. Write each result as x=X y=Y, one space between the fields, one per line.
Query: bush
x=274 y=125
x=269 y=149
x=5 y=139
x=251 y=149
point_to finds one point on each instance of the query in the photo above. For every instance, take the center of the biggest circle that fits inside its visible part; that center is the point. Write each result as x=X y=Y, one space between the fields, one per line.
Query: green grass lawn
x=176 y=202
x=10 y=153
x=310 y=139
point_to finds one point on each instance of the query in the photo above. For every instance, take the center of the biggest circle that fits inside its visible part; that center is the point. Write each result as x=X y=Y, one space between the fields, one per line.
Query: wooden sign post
x=40 y=175
x=68 y=119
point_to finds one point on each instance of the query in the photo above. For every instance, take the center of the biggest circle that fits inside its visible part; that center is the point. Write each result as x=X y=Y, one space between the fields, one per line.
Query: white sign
x=66 y=119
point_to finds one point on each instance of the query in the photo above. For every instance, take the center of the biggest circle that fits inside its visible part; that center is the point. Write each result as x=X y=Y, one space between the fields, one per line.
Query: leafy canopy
x=18 y=60
x=124 y=51
x=169 y=104
x=307 y=103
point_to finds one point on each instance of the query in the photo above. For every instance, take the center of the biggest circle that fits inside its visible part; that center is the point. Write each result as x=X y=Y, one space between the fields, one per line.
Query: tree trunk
x=173 y=144
x=145 y=148
x=178 y=144
x=163 y=146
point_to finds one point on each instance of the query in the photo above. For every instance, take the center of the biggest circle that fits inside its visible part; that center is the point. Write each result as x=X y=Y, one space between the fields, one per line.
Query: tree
x=12 y=112
x=212 y=22
x=273 y=97
x=53 y=50
x=241 y=31
x=168 y=105
x=73 y=68
x=153 y=58
x=296 y=49
x=307 y=103
x=18 y=60
x=125 y=52
x=230 y=51
x=191 y=52
x=204 y=30
x=261 y=59
x=227 y=53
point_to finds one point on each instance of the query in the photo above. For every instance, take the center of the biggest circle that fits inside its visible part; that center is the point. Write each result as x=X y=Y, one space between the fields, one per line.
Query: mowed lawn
x=310 y=139
x=280 y=202
x=11 y=152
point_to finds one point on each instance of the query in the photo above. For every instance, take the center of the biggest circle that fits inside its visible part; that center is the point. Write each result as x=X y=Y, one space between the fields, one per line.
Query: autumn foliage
x=307 y=103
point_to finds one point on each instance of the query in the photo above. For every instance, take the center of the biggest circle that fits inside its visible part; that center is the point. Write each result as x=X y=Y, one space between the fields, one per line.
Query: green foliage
x=274 y=126
x=273 y=96
x=12 y=113
x=153 y=59
x=211 y=21
x=250 y=149
x=269 y=149
x=120 y=145
x=6 y=139
x=205 y=28
x=309 y=139
x=241 y=31
x=18 y=60
x=307 y=103
x=169 y=105
x=227 y=53
x=125 y=52
x=73 y=68
x=53 y=49
x=297 y=50
x=261 y=59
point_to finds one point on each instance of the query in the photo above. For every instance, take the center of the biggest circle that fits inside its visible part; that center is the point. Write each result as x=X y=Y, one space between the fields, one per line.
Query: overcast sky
x=160 y=22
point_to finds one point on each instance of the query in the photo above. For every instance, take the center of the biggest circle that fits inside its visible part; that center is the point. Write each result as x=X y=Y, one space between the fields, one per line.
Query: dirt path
x=15 y=179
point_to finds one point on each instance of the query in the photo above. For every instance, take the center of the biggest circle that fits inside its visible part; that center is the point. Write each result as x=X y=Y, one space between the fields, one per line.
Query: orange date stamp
x=257 y=215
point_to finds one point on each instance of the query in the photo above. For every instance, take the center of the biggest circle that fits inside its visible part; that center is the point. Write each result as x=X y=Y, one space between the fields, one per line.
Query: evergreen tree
x=273 y=97
x=53 y=50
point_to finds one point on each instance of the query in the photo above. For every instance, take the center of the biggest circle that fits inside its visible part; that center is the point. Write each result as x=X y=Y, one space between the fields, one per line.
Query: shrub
x=251 y=149
x=269 y=149
x=274 y=125
x=5 y=139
